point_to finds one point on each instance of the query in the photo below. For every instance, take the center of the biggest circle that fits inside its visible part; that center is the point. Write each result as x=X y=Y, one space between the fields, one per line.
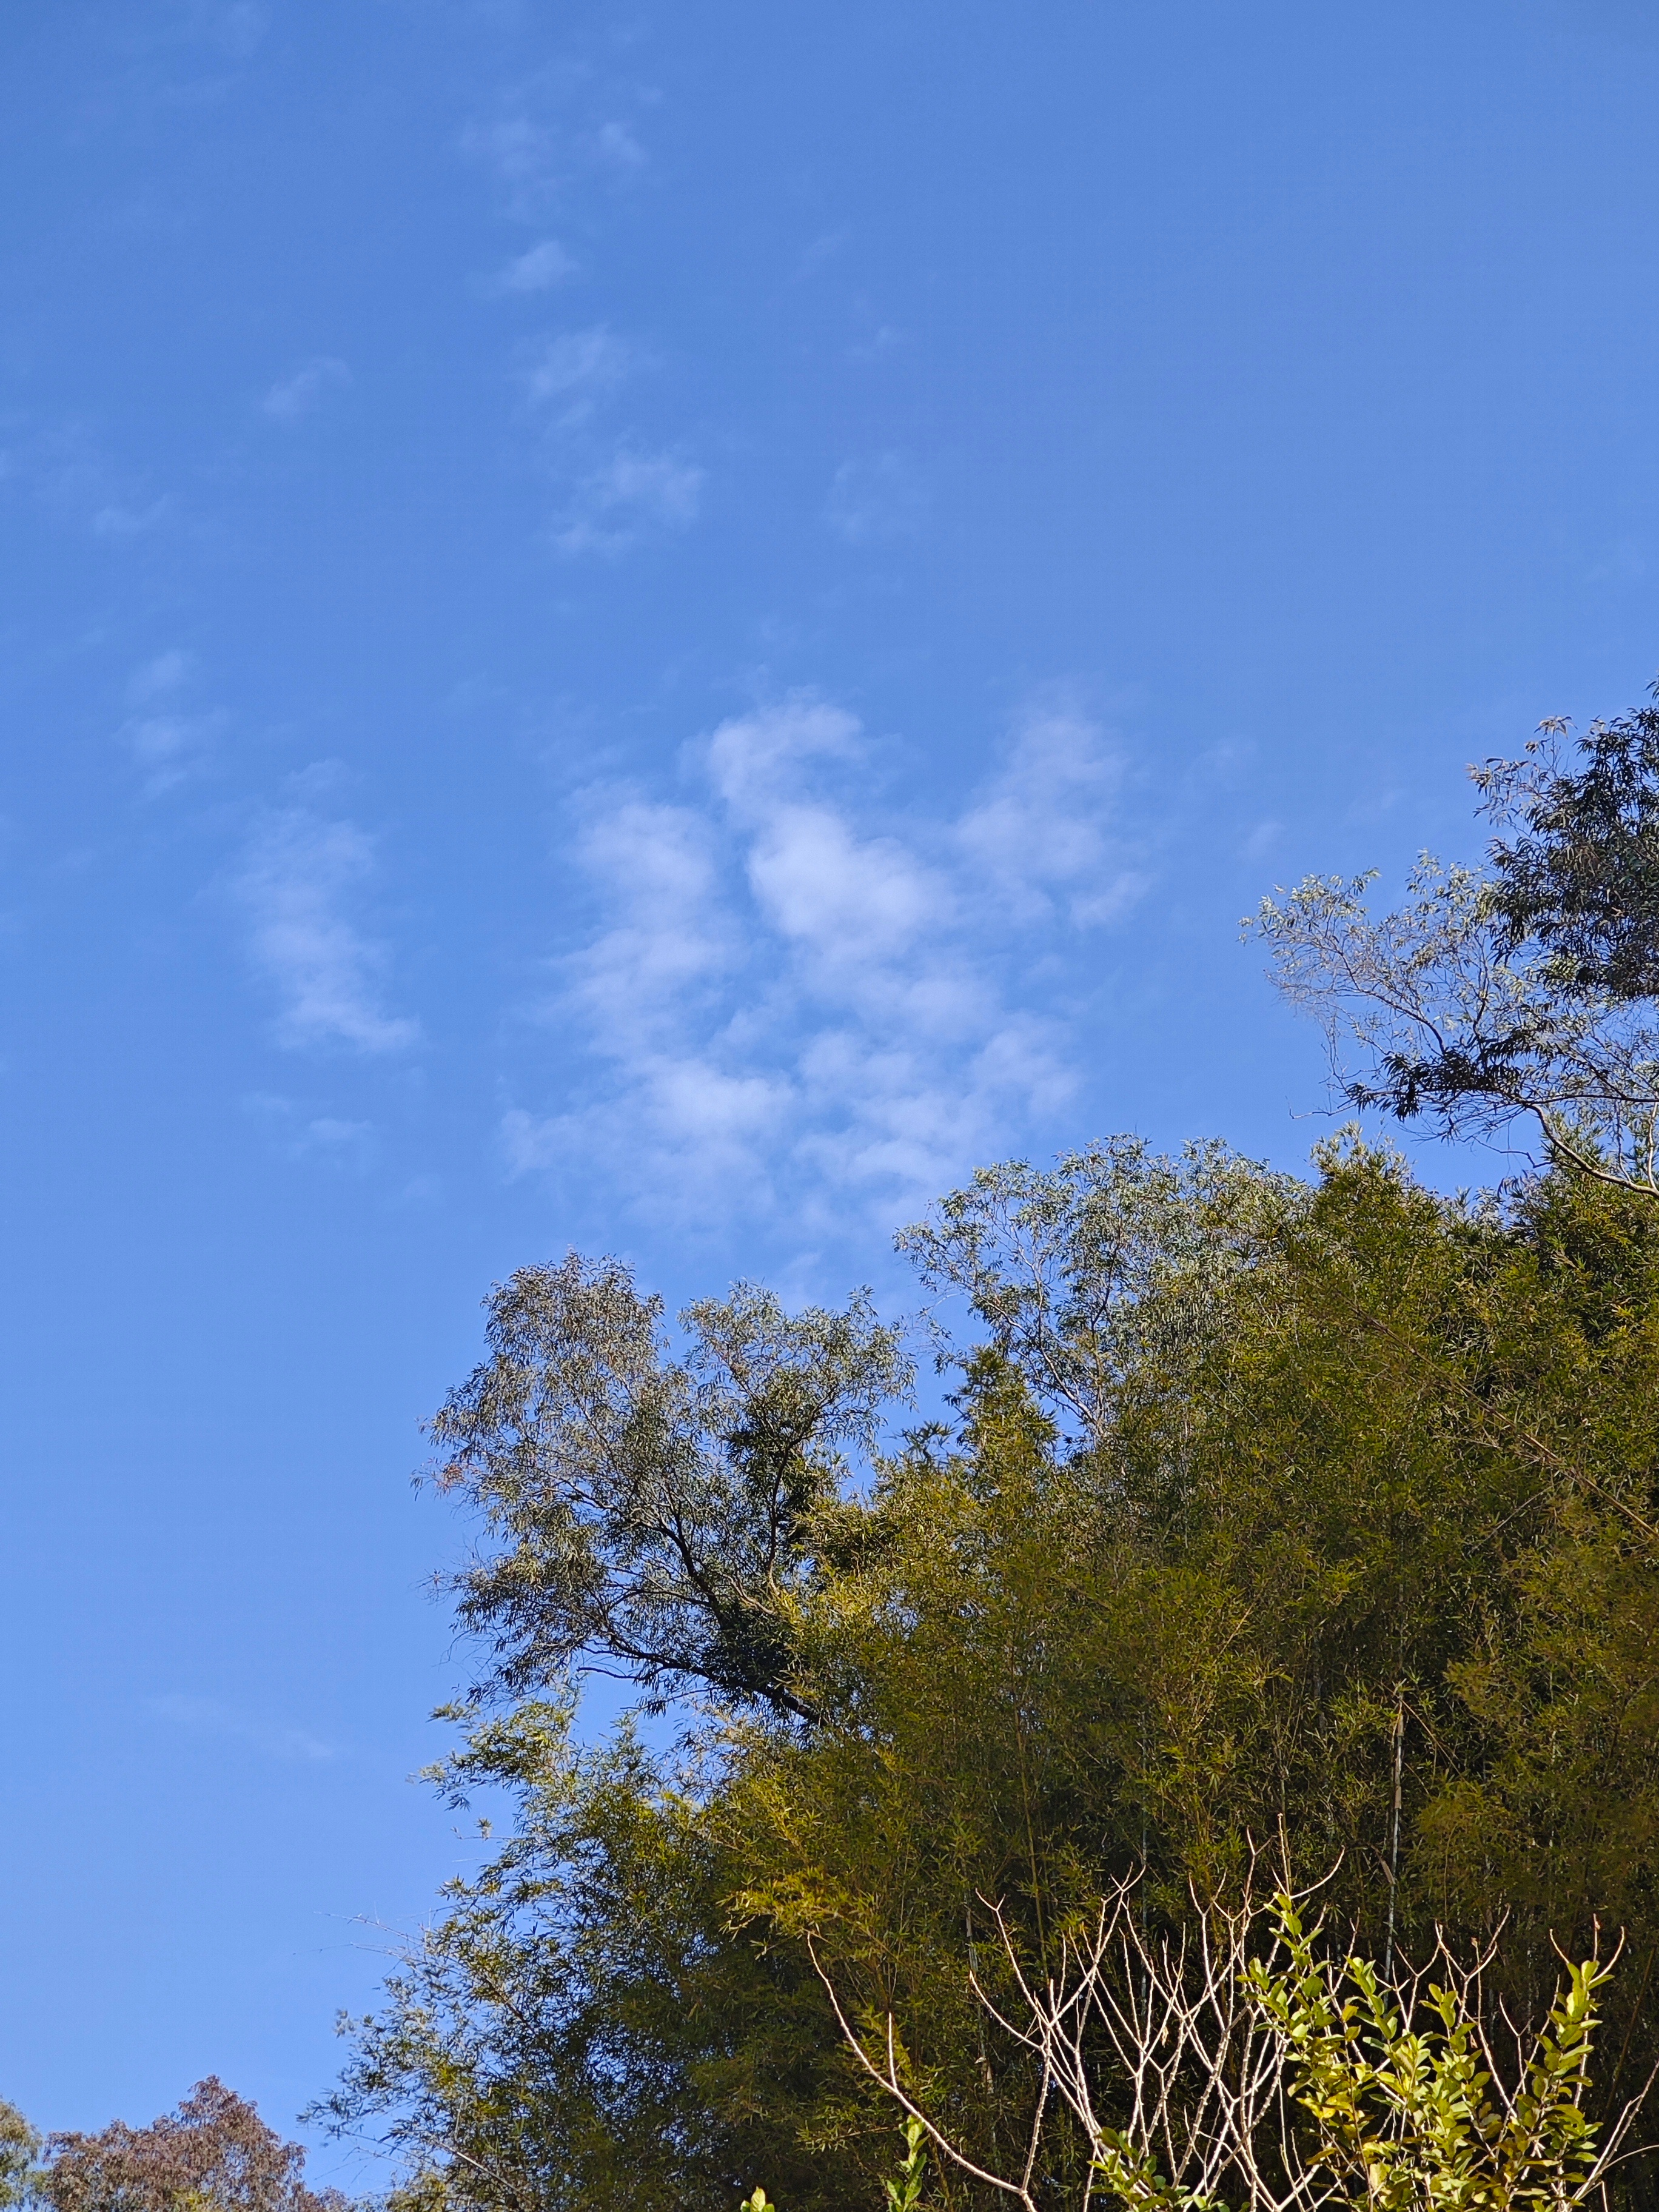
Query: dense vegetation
x=1300 y=1524
x=1261 y=1501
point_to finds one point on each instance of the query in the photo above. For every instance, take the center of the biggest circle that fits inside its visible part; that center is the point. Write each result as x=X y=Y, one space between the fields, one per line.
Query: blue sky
x=660 y=628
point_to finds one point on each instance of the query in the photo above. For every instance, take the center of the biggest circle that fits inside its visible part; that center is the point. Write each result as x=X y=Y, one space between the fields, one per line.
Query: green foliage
x=904 y=2194
x=1273 y=2075
x=1581 y=880
x=1129 y=2172
x=20 y=2147
x=1525 y=994
x=654 y=1510
x=1406 y=2116
x=579 y=2028
x=1103 y=1275
x=1264 y=1507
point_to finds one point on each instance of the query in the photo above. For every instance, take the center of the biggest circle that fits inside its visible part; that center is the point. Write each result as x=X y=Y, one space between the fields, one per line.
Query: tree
x=1320 y=1511
x=656 y=1510
x=19 y=2146
x=581 y=2027
x=1583 y=881
x=1104 y=1269
x=1524 y=994
x=213 y=2154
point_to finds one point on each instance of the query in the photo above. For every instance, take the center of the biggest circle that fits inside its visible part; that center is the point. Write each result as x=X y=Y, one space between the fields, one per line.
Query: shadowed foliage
x=213 y=2154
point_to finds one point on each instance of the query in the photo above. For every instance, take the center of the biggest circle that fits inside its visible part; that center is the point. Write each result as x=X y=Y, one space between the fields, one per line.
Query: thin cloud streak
x=882 y=497
x=166 y=738
x=617 y=490
x=293 y=398
x=538 y=269
x=212 y=1717
x=570 y=374
x=300 y=877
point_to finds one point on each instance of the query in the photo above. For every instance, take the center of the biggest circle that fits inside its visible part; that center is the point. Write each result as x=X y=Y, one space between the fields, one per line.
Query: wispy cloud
x=299 y=1134
x=64 y=467
x=792 y=1003
x=211 y=1717
x=523 y=151
x=1039 y=834
x=629 y=496
x=617 y=145
x=568 y=374
x=537 y=269
x=293 y=398
x=237 y=27
x=572 y=126
x=615 y=489
x=549 y=131
x=878 y=497
x=302 y=877
x=222 y=31
x=119 y=520
x=168 y=732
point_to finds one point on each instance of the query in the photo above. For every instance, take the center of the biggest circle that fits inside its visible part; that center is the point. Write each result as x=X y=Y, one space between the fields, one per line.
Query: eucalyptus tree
x=19 y=2146
x=1100 y=1272
x=1522 y=994
x=214 y=2153
x=653 y=1515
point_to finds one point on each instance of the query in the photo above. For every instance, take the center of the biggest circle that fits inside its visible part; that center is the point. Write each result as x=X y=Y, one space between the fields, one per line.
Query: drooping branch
x=1524 y=993
x=649 y=1513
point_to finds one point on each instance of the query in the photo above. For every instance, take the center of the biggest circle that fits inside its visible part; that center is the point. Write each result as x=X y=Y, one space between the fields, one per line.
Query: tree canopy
x=1309 y=1514
x=213 y=2154
x=1522 y=995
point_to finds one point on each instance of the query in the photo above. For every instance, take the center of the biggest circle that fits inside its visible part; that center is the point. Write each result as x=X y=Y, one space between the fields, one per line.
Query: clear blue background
x=661 y=627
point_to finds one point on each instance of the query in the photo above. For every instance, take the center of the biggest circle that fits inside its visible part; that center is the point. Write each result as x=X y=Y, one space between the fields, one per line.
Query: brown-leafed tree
x=213 y=2154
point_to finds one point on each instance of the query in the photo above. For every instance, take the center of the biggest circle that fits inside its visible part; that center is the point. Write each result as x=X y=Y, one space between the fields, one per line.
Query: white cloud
x=165 y=736
x=522 y=151
x=538 y=269
x=121 y=519
x=669 y=938
x=234 y=26
x=300 y=1135
x=753 y=757
x=166 y=747
x=629 y=496
x=848 y=899
x=161 y=677
x=292 y=398
x=242 y=25
x=571 y=373
x=880 y=497
x=301 y=876
x=793 y=1004
x=535 y=144
x=1040 y=834
x=617 y=145
x=615 y=492
x=80 y=485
